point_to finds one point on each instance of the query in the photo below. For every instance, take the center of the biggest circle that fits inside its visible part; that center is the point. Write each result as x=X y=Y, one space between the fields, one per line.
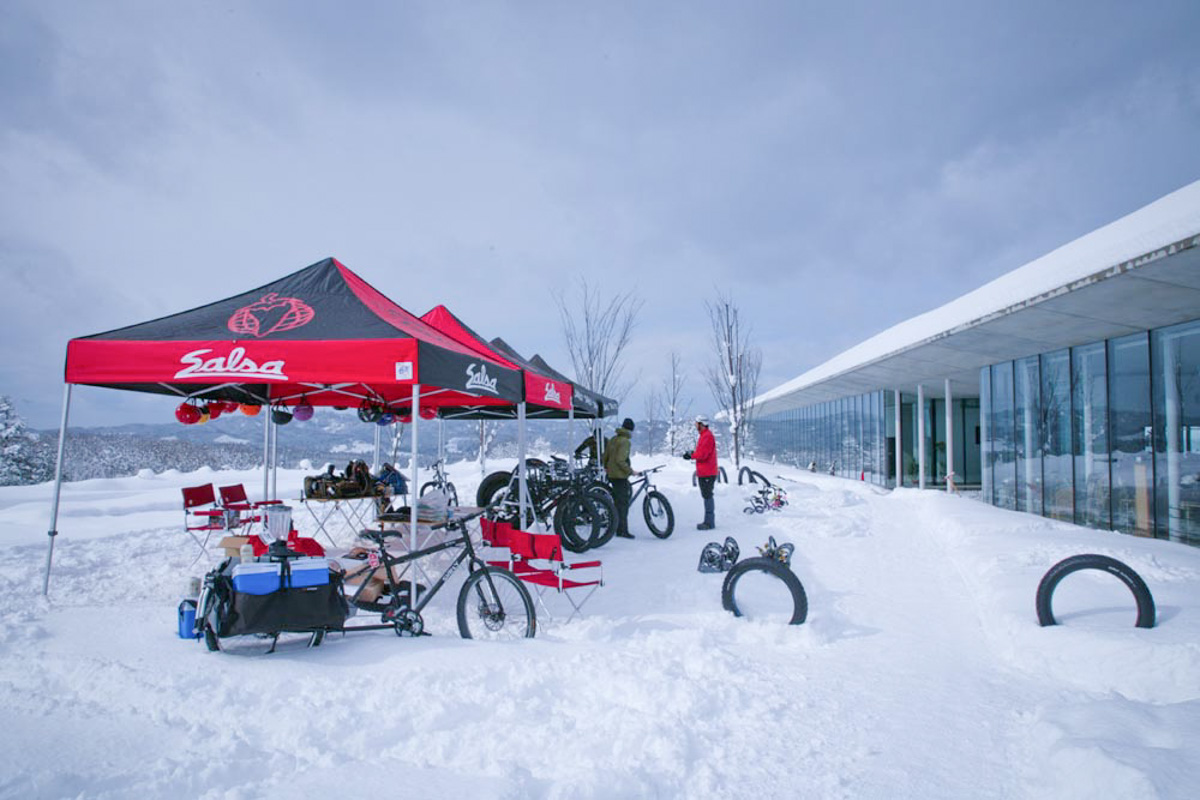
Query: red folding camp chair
x=234 y=498
x=201 y=515
x=537 y=559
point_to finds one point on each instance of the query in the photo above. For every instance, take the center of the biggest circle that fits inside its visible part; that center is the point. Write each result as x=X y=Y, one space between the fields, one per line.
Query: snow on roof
x=1166 y=221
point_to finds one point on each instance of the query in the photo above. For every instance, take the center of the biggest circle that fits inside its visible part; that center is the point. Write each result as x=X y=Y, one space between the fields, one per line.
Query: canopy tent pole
x=521 y=482
x=58 y=473
x=274 y=461
x=267 y=455
x=378 y=445
x=412 y=489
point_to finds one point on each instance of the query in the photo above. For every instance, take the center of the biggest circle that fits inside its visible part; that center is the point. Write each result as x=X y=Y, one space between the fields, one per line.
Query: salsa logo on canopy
x=234 y=365
x=479 y=380
x=271 y=314
x=551 y=394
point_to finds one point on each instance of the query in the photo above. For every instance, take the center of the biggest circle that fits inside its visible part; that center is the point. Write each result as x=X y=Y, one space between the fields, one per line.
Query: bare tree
x=675 y=410
x=597 y=331
x=733 y=377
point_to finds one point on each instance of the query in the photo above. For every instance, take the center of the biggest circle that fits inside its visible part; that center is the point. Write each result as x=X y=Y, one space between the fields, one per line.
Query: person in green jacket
x=618 y=470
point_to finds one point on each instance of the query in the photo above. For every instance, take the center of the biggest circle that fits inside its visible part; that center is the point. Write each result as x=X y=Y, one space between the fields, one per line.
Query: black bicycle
x=440 y=481
x=492 y=603
x=656 y=509
x=579 y=511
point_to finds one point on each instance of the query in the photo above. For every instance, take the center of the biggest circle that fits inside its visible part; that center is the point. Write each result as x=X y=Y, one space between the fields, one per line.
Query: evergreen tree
x=23 y=459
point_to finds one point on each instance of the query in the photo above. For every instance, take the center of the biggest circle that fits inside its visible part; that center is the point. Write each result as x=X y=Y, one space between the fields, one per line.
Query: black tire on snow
x=761 y=477
x=606 y=509
x=771 y=567
x=574 y=522
x=490 y=486
x=661 y=524
x=745 y=473
x=477 y=604
x=1050 y=581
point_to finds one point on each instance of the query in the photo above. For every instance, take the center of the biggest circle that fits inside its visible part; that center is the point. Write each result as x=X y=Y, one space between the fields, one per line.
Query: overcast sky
x=836 y=167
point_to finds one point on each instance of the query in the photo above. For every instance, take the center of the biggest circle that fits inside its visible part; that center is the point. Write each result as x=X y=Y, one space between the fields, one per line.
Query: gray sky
x=836 y=167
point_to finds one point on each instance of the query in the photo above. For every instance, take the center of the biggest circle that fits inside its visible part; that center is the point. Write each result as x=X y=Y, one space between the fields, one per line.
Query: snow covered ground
x=921 y=671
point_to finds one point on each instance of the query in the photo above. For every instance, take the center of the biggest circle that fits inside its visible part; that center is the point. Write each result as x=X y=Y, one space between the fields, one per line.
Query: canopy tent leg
x=413 y=491
x=266 y=492
x=58 y=473
x=522 y=490
x=274 y=461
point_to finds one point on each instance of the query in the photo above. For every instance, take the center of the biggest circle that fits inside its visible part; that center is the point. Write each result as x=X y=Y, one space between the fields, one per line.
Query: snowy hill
x=921 y=671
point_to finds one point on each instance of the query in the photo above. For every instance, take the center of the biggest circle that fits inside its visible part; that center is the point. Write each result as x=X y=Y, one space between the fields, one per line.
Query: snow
x=920 y=672
x=1160 y=224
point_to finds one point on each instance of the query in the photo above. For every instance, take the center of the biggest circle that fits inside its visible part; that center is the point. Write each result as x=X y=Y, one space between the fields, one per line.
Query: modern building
x=1069 y=387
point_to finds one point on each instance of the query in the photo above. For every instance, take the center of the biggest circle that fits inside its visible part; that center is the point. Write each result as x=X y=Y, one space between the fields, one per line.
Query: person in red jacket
x=705 y=456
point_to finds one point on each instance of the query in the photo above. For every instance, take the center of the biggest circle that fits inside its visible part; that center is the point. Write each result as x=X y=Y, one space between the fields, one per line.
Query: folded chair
x=201 y=514
x=234 y=498
x=537 y=559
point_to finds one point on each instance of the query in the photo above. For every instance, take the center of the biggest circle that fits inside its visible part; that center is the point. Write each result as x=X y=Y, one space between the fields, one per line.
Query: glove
x=688 y=455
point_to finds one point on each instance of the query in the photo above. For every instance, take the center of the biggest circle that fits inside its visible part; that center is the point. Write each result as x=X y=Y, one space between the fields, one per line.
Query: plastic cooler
x=309 y=572
x=257 y=577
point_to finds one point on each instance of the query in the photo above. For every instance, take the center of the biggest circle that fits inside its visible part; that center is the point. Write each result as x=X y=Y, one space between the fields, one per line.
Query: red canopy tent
x=320 y=335
x=544 y=395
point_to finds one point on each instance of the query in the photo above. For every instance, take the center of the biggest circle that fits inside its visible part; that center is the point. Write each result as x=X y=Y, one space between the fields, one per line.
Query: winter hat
x=702 y=420
x=627 y=424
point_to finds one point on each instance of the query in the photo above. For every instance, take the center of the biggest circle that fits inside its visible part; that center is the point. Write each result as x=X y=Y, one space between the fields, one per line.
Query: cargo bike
x=285 y=592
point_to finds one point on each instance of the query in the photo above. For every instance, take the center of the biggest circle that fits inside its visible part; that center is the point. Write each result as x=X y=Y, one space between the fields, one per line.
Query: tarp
x=321 y=333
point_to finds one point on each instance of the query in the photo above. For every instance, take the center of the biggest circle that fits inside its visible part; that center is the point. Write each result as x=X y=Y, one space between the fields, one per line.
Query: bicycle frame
x=643 y=483
x=387 y=562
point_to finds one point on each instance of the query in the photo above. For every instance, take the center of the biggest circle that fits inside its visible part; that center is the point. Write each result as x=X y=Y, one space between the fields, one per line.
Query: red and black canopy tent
x=320 y=335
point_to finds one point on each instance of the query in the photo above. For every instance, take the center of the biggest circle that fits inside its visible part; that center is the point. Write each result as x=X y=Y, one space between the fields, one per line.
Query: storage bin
x=257 y=578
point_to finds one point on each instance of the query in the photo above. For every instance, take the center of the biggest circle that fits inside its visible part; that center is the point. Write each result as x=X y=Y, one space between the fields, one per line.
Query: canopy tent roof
x=545 y=395
x=321 y=333
x=587 y=402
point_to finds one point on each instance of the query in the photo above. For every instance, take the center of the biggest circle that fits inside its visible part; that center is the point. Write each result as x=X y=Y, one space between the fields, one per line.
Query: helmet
x=428 y=412
x=250 y=409
x=303 y=411
x=719 y=557
x=280 y=415
x=385 y=418
x=187 y=413
x=369 y=412
x=215 y=409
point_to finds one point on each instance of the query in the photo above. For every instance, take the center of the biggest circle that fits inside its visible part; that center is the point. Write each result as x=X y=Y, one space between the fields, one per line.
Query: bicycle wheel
x=606 y=522
x=764 y=589
x=491 y=486
x=575 y=521
x=493 y=604
x=660 y=518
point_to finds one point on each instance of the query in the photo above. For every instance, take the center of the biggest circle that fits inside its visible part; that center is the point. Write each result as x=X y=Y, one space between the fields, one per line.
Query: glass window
x=1131 y=441
x=1058 y=494
x=1089 y=423
x=1004 y=456
x=1176 y=369
x=1028 y=435
x=985 y=434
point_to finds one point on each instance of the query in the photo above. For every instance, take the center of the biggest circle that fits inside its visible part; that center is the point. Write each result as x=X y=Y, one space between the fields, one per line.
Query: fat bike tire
x=769 y=566
x=1050 y=581
x=659 y=516
x=494 y=604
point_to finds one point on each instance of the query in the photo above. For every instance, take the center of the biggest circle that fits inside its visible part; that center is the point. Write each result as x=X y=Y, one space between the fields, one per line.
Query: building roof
x=1139 y=272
